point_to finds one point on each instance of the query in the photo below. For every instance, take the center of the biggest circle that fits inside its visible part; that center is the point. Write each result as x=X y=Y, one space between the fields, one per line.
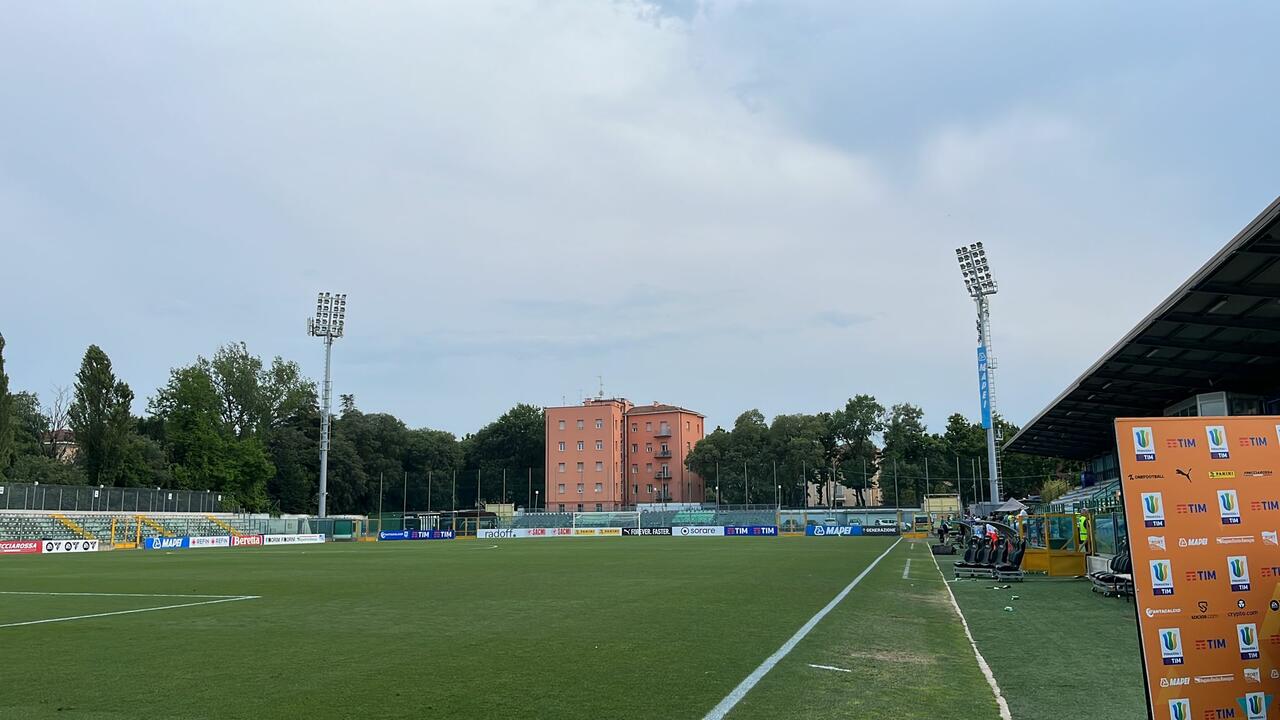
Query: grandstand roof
x=1220 y=330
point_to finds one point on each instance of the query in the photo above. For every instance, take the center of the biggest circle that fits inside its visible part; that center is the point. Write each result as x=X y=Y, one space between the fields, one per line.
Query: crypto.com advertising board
x=1202 y=504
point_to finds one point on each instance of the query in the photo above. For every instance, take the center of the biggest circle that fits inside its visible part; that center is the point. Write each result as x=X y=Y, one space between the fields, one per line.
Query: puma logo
x=1184 y=473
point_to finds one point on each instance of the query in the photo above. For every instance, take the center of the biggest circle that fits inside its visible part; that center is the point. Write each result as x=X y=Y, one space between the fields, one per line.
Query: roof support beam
x=1241 y=348
x=1211 y=367
x=1226 y=321
x=1258 y=290
x=1193 y=383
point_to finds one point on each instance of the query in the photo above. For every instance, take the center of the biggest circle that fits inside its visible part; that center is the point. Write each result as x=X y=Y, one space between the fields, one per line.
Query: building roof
x=660 y=408
x=1219 y=331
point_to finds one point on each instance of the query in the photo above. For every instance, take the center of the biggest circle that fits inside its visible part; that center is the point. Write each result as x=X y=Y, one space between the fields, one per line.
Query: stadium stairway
x=73 y=526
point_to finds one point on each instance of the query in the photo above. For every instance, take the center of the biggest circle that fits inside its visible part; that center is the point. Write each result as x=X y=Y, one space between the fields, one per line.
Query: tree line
x=250 y=429
x=801 y=458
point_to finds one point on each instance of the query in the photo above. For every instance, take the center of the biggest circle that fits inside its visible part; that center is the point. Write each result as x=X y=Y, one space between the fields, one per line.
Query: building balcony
x=663 y=475
x=663 y=431
x=663 y=453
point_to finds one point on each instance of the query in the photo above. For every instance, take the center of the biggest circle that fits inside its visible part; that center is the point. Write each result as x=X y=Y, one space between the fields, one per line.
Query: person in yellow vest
x=1082 y=523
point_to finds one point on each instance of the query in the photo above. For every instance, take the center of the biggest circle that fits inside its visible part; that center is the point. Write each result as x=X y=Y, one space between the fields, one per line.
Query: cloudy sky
x=721 y=204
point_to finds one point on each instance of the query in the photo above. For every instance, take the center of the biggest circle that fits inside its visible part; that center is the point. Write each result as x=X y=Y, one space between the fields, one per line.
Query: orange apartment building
x=608 y=454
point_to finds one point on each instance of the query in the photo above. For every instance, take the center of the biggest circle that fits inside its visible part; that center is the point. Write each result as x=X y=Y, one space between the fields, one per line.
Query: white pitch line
x=96 y=594
x=130 y=612
x=739 y=692
x=828 y=667
x=906 y=570
x=982 y=662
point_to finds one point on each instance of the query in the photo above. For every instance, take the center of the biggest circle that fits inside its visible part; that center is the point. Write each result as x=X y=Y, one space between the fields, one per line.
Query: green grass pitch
x=557 y=628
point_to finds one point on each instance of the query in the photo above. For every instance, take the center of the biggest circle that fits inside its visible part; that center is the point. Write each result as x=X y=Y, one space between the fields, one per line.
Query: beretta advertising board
x=1202 y=508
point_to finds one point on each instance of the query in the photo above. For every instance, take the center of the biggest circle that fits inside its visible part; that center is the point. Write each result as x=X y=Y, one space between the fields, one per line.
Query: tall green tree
x=7 y=419
x=253 y=397
x=853 y=430
x=515 y=442
x=100 y=418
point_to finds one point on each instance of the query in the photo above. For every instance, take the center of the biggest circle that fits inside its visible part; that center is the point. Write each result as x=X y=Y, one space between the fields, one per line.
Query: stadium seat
x=1117 y=581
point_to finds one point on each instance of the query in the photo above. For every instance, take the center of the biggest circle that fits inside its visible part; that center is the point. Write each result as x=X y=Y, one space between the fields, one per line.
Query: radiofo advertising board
x=1202 y=507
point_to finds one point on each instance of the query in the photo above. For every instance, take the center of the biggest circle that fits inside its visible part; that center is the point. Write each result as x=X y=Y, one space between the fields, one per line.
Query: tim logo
x=1229 y=507
x=1192 y=508
x=1211 y=644
x=1161 y=577
x=1171 y=646
x=1270 y=571
x=1201 y=576
x=1180 y=709
x=1238 y=573
x=1152 y=510
x=1247 y=637
x=1144 y=444
x=1217 y=435
x=1180 y=442
x=1265 y=505
x=1253 y=441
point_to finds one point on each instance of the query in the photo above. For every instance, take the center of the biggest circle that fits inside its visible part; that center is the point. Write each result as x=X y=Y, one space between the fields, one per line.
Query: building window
x=635 y=469
x=686 y=424
x=561 y=507
x=581 y=445
x=599 y=424
x=561 y=424
x=560 y=489
x=665 y=470
x=579 y=488
x=580 y=424
x=599 y=444
x=648 y=467
x=648 y=426
x=561 y=467
x=635 y=448
x=581 y=467
x=650 y=488
x=635 y=427
x=562 y=447
x=648 y=447
x=599 y=487
x=599 y=507
x=635 y=489
x=666 y=492
x=599 y=466
x=579 y=507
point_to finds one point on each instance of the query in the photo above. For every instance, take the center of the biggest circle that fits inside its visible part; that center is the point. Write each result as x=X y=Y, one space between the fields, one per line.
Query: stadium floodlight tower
x=331 y=316
x=980 y=284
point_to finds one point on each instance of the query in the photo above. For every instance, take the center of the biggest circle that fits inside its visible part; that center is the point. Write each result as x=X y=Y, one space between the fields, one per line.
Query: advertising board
x=246 y=540
x=165 y=543
x=416 y=535
x=1202 y=508
x=647 y=532
x=833 y=530
x=50 y=547
x=215 y=541
x=19 y=547
x=751 y=530
x=698 y=531
x=292 y=539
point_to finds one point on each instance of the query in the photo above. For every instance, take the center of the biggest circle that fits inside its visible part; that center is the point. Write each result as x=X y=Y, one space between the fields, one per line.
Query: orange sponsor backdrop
x=1202 y=506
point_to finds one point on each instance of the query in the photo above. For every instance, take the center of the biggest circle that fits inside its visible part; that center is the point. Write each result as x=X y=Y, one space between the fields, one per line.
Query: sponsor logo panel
x=69 y=546
x=165 y=543
x=1144 y=444
x=698 y=531
x=312 y=539
x=246 y=540
x=19 y=547
x=646 y=532
x=1217 y=435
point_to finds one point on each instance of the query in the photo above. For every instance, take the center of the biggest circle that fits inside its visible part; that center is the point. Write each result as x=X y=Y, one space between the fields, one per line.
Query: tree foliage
x=100 y=418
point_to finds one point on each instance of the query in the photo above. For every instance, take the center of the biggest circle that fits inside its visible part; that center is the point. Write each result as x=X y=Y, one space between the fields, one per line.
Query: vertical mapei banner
x=1202 y=504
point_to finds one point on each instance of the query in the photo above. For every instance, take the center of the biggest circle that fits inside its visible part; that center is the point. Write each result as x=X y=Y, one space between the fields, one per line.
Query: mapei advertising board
x=849 y=530
x=1202 y=506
